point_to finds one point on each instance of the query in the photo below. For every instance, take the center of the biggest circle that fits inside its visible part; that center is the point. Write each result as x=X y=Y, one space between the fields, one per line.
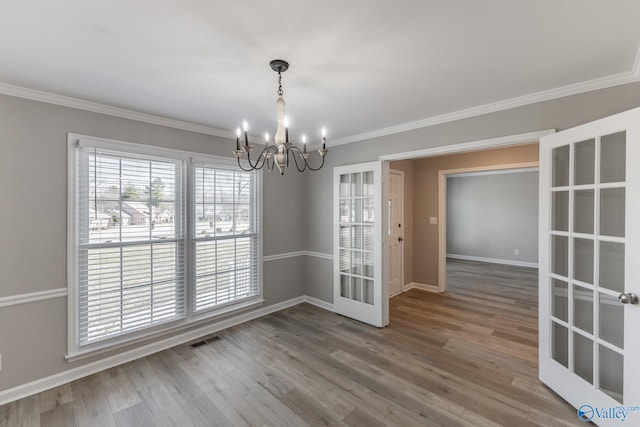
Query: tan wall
x=425 y=199
x=406 y=166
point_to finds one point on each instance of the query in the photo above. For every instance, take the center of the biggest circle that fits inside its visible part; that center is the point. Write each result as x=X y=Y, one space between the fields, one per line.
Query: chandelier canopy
x=281 y=150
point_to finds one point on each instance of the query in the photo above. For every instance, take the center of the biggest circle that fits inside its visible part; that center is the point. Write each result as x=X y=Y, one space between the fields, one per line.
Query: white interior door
x=395 y=231
x=589 y=267
x=358 y=291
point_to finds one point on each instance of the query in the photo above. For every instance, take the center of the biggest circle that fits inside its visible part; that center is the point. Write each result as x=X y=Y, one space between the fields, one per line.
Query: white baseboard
x=61 y=378
x=494 y=260
x=319 y=303
x=421 y=286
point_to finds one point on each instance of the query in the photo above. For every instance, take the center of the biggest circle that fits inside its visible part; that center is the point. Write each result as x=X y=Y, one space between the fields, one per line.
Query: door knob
x=400 y=239
x=628 y=298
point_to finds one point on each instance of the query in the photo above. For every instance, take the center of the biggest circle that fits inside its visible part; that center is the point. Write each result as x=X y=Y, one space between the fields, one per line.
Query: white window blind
x=130 y=242
x=225 y=236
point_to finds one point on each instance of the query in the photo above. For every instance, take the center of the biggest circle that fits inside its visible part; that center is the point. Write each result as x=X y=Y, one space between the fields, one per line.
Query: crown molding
x=547 y=95
x=95 y=107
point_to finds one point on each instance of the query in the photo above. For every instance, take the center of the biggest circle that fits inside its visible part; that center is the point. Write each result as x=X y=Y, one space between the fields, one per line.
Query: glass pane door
x=356 y=236
x=589 y=248
x=357 y=247
x=587 y=252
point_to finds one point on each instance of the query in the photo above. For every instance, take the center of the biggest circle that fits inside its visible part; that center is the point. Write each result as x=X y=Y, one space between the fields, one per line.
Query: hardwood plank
x=137 y=415
x=204 y=413
x=164 y=409
x=58 y=416
x=90 y=404
x=120 y=392
x=24 y=412
x=55 y=397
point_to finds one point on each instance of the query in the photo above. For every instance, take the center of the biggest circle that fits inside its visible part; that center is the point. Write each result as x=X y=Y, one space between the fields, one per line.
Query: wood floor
x=464 y=358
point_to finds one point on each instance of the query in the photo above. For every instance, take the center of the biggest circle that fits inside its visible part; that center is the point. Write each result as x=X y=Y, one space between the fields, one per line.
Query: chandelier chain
x=280 y=92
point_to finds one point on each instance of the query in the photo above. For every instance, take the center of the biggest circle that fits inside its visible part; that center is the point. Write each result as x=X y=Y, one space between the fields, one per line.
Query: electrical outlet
x=517 y=252
x=0 y=361
x=433 y=220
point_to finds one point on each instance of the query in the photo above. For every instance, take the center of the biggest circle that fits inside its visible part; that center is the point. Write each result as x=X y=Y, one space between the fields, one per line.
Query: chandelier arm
x=257 y=165
x=318 y=168
x=295 y=159
x=270 y=160
x=252 y=165
x=244 y=169
x=307 y=165
x=262 y=156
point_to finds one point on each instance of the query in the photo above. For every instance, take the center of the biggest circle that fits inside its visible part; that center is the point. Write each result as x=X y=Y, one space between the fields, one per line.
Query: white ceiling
x=359 y=67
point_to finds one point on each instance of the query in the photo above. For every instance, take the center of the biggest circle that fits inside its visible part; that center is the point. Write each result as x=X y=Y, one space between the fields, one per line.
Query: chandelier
x=281 y=151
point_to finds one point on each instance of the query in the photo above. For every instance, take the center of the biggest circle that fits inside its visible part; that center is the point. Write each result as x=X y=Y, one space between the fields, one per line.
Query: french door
x=358 y=291
x=589 y=268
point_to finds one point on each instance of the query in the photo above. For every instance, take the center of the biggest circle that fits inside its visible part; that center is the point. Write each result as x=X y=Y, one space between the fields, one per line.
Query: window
x=156 y=239
x=225 y=239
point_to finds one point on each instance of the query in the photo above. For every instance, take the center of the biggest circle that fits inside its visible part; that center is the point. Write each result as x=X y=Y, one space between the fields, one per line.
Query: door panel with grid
x=587 y=237
x=358 y=290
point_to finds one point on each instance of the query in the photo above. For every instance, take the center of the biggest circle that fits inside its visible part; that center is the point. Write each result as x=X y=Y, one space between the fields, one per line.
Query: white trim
x=32 y=297
x=546 y=95
x=492 y=172
x=421 y=286
x=318 y=303
x=283 y=256
x=319 y=255
x=286 y=255
x=494 y=260
x=484 y=144
x=55 y=380
x=95 y=107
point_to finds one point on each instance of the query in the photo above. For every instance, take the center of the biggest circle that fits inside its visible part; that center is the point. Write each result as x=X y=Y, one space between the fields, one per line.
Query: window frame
x=231 y=166
x=191 y=318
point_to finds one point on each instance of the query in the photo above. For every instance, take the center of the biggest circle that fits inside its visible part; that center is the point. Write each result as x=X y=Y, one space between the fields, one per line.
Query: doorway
x=425 y=220
x=488 y=214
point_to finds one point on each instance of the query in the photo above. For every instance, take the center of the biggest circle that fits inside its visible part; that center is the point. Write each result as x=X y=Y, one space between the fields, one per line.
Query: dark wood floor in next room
x=464 y=358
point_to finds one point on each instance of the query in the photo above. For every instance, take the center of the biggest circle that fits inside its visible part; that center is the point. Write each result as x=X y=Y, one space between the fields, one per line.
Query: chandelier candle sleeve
x=324 y=138
x=282 y=151
x=245 y=126
x=286 y=129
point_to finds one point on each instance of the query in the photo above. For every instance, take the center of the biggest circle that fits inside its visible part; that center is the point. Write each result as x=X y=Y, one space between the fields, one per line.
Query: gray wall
x=490 y=216
x=556 y=114
x=33 y=218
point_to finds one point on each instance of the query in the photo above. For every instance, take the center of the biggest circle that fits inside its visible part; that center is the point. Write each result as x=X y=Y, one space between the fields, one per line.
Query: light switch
x=433 y=220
